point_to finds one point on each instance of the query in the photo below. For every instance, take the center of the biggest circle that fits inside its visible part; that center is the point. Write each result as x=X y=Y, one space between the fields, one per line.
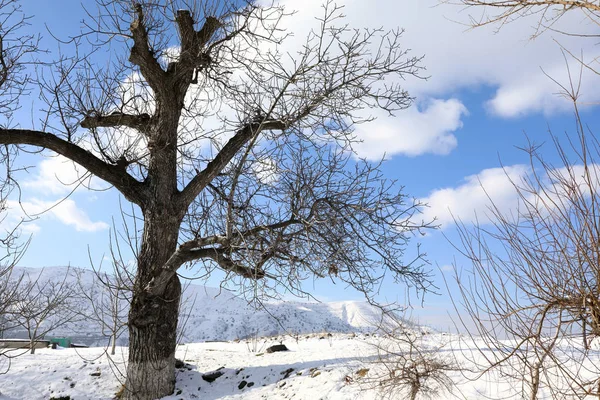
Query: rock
x=277 y=347
x=287 y=372
x=97 y=373
x=212 y=376
x=179 y=363
x=242 y=385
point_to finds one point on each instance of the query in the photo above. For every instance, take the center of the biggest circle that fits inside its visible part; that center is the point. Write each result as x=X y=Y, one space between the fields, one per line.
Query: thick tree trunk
x=153 y=319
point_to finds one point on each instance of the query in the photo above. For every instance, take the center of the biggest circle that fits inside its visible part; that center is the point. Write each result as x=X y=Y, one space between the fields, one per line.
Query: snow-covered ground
x=334 y=353
x=337 y=367
x=315 y=367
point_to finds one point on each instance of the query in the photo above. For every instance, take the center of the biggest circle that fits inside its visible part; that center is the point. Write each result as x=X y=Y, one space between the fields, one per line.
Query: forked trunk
x=153 y=319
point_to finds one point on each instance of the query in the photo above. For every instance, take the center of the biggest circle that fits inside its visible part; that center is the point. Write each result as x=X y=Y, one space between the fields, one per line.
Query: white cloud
x=457 y=57
x=470 y=200
x=416 y=131
x=447 y=268
x=65 y=211
x=547 y=193
x=54 y=175
x=58 y=175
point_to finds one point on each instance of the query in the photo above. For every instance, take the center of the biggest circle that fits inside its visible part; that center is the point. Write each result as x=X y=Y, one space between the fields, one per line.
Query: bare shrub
x=531 y=294
x=43 y=306
x=408 y=366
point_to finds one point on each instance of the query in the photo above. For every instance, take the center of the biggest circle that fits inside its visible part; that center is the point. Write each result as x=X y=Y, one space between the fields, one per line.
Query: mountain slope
x=210 y=314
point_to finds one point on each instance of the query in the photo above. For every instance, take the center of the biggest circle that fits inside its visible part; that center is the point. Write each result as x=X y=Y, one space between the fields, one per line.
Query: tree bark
x=153 y=317
x=113 y=345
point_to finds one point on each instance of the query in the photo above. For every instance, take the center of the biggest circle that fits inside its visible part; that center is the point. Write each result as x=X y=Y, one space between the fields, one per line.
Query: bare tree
x=44 y=306
x=406 y=365
x=107 y=299
x=236 y=150
x=549 y=12
x=532 y=293
x=14 y=51
x=12 y=287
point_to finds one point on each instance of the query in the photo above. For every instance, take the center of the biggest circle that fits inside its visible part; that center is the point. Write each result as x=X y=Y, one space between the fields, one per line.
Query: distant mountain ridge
x=211 y=314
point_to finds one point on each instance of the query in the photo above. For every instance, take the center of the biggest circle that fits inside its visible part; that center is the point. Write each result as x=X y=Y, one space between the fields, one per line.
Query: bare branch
x=141 y=53
x=132 y=189
x=140 y=122
x=243 y=136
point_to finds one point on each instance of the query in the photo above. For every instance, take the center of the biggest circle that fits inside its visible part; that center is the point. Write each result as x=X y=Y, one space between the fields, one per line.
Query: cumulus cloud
x=544 y=192
x=58 y=175
x=457 y=57
x=416 y=131
x=55 y=176
x=470 y=201
x=65 y=211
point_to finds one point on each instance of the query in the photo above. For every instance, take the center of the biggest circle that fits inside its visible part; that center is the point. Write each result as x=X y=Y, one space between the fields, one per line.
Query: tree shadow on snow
x=191 y=385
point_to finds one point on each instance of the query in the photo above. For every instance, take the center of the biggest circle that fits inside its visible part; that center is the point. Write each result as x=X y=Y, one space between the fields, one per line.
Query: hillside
x=210 y=314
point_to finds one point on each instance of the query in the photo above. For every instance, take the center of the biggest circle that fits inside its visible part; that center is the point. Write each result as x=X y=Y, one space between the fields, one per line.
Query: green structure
x=62 y=342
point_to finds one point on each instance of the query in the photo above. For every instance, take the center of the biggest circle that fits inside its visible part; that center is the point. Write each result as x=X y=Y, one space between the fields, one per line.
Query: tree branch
x=131 y=188
x=140 y=122
x=141 y=54
x=192 y=42
x=158 y=284
x=243 y=136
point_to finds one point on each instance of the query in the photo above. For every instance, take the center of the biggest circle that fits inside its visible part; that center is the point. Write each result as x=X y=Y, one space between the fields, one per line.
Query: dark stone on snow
x=250 y=384
x=212 y=376
x=179 y=363
x=242 y=385
x=287 y=372
x=277 y=347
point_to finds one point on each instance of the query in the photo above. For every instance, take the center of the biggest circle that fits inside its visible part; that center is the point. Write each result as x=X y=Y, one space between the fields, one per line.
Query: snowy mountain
x=210 y=314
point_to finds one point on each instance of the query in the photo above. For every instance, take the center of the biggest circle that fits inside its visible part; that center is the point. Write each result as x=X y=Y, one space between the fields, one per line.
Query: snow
x=321 y=369
x=334 y=354
x=212 y=314
x=317 y=366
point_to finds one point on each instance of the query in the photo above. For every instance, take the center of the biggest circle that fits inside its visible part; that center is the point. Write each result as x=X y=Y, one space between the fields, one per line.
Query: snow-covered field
x=334 y=353
x=337 y=367
x=315 y=367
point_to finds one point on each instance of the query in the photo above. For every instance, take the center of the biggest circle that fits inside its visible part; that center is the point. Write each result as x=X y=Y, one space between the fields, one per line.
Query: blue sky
x=486 y=90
